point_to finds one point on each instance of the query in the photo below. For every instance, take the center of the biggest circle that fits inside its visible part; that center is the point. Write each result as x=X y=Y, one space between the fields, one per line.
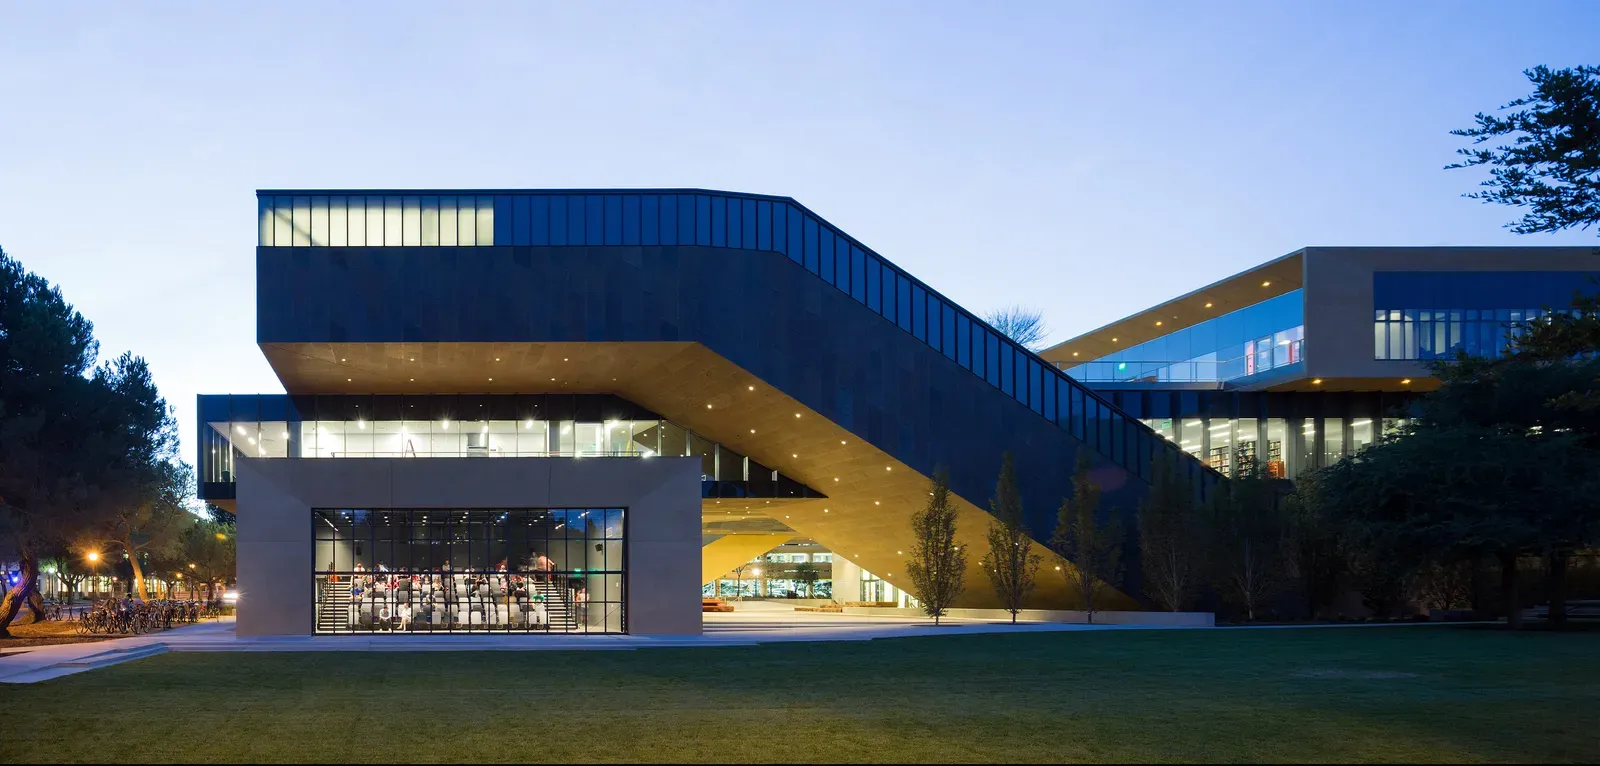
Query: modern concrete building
x=568 y=410
x=571 y=410
x=1312 y=356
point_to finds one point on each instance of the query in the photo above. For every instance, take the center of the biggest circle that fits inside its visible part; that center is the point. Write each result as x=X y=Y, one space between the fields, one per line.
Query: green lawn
x=1345 y=694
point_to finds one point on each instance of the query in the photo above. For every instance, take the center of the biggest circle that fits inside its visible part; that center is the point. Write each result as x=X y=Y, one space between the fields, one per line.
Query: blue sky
x=1086 y=159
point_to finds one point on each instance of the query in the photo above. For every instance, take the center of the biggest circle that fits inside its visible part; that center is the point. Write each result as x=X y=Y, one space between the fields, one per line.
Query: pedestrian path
x=755 y=623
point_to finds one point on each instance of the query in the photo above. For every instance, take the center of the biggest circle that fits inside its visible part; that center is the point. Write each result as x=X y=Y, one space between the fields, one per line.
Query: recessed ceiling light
x=752 y=430
x=497 y=359
x=824 y=510
x=342 y=359
x=1074 y=353
x=349 y=380
x=708 y=406
x=1267 y=283
x=1317 y=382
x=795 y=455
x=1208 y=304
x=1158 y=323
x=752 y=388
x=797 y=414
x=491 y=380
x=413 y=380
x=1113 y=340
x=1405 y=382
x=888 y=468
x=835 y=478
x=564 y=359
x=875 y=502
x=841 y=441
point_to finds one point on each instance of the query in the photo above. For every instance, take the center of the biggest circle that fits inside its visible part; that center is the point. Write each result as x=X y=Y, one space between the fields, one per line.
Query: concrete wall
x=276 y=497
x=1161 y=619
x=1338 y=296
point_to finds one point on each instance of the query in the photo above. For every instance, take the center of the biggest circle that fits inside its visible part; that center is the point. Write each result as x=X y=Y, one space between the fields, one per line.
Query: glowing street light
x=93 y=556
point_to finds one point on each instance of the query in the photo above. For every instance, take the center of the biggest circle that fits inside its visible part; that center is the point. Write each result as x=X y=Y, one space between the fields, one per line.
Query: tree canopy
x=1548 y=156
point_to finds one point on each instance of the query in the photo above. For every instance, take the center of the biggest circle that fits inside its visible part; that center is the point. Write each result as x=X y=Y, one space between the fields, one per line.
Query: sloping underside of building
x=840 y=371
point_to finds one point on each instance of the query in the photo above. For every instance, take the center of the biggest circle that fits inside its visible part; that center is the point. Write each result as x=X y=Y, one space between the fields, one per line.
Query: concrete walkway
x=755 y=623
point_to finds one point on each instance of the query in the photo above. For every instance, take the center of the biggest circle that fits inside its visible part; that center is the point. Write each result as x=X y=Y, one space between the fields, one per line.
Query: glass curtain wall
x=1435 y=315
x=1252 y=340
x=555 y=570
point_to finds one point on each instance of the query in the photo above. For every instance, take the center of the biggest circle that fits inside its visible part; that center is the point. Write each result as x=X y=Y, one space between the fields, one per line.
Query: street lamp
x=93 y=556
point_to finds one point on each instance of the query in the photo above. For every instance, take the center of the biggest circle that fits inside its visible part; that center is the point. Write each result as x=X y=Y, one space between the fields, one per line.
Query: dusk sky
x=1085 y=159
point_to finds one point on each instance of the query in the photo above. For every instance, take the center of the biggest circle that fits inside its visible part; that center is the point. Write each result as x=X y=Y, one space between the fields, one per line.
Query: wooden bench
x=715 y=605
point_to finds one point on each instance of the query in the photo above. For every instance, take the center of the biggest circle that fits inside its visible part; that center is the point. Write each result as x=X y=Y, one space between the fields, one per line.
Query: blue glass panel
x=558 y=220
x=504 y=220
x=991 y=352
x=858 y=274
x=575 y=218
x=686 y=215
x=1008 y=369
x=702 y=220
x=950 y=340
x=521 y=222
x=764 y=225
x=1075 y=412
x=888 y=280
x=1063 y=403
x=874 y=292
x=1035 y=387
x=719 y=221
x=780 y=227
x=747 y=226
x=595 y=220
x=811 y=244
x=796 y=229
x=825 y=255
x=630 y=220
x=902 y=302
x=841 y=263
x=963 y=341
x=919 y=313
x=669 y=219
x=1047 y=395
x=935 y=337
x=650 y=220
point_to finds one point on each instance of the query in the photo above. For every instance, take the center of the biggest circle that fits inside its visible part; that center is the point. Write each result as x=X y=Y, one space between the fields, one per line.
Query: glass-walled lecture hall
x=455 y=426
x=1267 y=336
x=451 y=570
x=1435 y=315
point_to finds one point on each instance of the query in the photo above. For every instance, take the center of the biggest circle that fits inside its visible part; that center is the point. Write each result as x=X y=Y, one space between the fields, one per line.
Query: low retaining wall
x=1159 y=619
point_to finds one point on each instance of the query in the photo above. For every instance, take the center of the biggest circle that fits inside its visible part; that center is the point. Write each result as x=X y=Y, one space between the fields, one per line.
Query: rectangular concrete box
x=276 y=497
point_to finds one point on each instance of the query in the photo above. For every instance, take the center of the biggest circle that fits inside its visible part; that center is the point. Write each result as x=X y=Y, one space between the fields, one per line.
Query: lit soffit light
x=1405 y=382
x=1158 y=323
x=1267 y=283
x=1316 y=382
x=1074 y=353
x=1113 y=340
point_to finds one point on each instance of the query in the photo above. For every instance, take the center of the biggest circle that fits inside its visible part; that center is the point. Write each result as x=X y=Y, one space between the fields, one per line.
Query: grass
x=1426 y=694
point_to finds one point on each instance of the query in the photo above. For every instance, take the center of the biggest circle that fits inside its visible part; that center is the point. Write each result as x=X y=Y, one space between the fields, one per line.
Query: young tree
x=806 y=572
x=1250 y=539
x=1021 y=324
x=1010 y=563
x=65 y=568
x=1169 y=538
x=209 y=551
x=1091 y=549
x=1549 y=162
x=937 y=565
